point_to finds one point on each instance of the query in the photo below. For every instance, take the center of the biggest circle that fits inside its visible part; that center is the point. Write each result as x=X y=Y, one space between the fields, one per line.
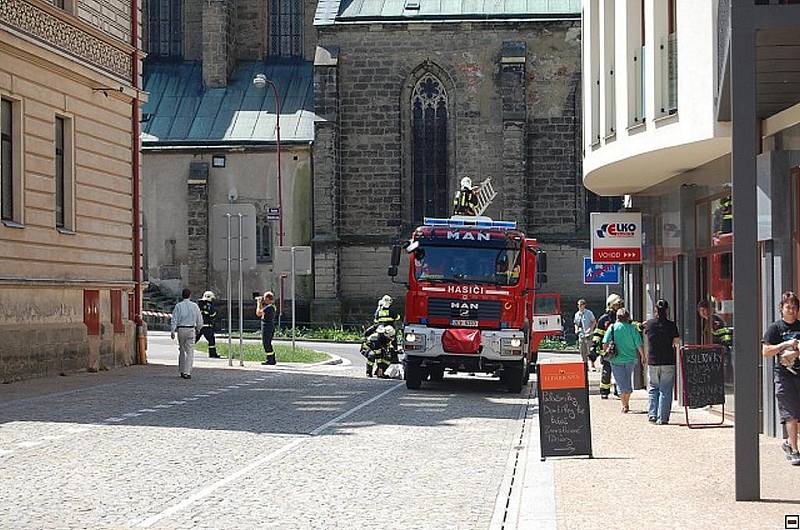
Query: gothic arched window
x=429 y=116
x=164 y=29
x=286 y=29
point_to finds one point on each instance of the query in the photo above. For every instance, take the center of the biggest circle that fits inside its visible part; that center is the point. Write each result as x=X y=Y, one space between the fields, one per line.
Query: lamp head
x=260 y=81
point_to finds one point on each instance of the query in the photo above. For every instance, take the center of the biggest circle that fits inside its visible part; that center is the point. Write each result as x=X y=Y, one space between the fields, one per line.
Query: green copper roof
x=179 y=111
x=333 y=11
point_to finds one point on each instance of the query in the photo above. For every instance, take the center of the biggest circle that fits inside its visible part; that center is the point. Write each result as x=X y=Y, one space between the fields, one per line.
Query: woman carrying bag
x=624 y=340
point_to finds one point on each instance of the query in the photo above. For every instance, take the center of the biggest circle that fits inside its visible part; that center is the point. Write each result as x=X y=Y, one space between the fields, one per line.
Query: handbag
x=610 y=348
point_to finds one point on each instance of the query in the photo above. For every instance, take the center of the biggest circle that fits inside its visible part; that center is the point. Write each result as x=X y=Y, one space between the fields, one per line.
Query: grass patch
x=555 y=345
x=333 y=334
x=255 y=352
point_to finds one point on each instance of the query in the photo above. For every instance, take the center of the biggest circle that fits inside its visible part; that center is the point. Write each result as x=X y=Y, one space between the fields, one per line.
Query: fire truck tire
x=436 y=374
x=414 y=376
x=514 y=378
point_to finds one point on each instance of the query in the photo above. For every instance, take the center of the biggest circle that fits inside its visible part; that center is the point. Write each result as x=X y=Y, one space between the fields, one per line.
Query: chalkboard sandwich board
x=703 y=374
x=564 y=422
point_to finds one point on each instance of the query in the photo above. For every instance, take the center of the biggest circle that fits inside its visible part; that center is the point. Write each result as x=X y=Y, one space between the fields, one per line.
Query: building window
x=263 y=241
x=594 y=64
x=11 y=183
x=636 y=64
x=286 y=29
x=164 y=29
x=429 y=115
x=65 y=183
x=597 y=203
x=7 y=160
x=669 y=63
x=609 y=94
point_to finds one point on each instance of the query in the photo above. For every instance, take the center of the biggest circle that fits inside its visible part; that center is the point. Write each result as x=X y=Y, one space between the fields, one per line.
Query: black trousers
x=267 y=331
x=208 y=333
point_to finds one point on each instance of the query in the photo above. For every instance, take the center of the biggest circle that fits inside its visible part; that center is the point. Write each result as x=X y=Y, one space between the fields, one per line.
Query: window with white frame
x=636 y=63
x=609 y=93
x=594 y=62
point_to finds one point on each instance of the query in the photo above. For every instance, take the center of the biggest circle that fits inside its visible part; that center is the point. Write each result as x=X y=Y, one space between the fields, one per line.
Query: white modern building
x=691 y=109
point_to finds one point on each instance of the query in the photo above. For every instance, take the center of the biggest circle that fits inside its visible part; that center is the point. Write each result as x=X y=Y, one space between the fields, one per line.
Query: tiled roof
x=333 y=11
x=179 y=111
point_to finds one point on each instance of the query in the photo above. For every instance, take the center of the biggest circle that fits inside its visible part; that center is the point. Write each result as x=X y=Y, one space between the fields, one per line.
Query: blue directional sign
x=600 y=273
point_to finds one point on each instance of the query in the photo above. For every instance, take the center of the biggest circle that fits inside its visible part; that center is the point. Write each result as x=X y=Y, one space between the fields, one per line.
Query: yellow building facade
x=68 y=173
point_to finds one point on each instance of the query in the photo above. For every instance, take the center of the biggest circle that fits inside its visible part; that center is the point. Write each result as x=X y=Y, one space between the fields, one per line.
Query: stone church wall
x=515 y=121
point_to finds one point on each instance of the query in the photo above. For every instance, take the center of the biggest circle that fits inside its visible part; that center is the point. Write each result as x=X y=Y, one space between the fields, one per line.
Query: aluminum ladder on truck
x=485 y=195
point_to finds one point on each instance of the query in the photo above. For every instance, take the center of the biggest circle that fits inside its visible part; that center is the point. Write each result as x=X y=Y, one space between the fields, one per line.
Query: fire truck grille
x=464 y=309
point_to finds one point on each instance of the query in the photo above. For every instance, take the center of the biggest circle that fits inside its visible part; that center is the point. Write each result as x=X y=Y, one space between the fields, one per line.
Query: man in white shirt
x=584 y=327
x=186 y=321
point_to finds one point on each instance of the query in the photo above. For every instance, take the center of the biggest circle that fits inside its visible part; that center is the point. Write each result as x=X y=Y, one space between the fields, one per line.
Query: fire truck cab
x=473 y=302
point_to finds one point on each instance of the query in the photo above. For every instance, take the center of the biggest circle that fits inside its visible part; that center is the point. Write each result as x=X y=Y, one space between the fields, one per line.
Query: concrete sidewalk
x=649 y=476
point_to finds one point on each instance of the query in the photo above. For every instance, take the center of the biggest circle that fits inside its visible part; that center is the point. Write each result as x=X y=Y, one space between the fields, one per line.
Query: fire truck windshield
x=463 y=264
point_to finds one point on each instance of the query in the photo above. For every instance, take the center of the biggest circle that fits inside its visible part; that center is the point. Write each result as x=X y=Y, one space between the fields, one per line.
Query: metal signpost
x=244 y=238
x=294 y=261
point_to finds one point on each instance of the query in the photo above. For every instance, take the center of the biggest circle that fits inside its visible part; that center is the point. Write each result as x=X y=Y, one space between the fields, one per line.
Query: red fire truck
x=474 y=302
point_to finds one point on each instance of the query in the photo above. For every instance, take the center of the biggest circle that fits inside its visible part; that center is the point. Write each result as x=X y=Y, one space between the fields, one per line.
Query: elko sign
x=616 y=237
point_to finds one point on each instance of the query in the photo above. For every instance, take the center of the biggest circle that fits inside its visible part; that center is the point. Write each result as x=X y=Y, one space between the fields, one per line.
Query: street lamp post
x=261 y=81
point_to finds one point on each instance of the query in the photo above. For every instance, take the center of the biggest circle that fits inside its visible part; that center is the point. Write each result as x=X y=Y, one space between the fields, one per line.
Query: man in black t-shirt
x=782 y=340
x=662 y=339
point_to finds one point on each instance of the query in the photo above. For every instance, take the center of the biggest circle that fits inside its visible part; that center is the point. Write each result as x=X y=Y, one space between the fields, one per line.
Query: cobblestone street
x=285 y=447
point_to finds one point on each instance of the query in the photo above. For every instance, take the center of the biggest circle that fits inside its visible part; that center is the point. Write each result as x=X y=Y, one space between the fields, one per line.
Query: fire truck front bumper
x=423 y=345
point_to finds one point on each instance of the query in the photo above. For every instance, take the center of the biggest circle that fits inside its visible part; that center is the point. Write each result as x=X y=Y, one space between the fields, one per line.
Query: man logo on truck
x=468 y=236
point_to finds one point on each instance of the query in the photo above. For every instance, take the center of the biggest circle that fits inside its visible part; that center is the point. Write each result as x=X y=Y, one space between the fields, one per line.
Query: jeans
x=623 y=375
x=660 y=389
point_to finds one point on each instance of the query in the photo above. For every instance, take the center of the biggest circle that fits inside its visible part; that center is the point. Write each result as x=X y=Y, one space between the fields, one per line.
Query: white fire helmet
x=614 y=299
x=208 y=296
x=389 y=331
x=466 y=182
x=386 y=301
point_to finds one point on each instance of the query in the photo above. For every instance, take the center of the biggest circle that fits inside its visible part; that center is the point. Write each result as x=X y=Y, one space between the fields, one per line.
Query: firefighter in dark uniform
x=388 y=316
x=613 y=303
x=723 y=216
x=375 y=348
x=209 y=313
x=265 y=310
x=466 y=202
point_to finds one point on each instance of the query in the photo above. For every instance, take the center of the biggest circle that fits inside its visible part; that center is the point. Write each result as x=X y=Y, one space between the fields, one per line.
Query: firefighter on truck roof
x=466 y=201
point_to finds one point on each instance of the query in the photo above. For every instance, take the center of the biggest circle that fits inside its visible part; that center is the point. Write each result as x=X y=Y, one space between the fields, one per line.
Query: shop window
x=116 y=311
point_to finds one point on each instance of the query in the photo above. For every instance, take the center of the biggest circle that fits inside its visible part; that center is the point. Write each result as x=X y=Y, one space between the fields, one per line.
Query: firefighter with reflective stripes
x=375 y=348
x=613 y=303
x=718 y=332
x=388 y=316
x=209 y=313
x=466 y=201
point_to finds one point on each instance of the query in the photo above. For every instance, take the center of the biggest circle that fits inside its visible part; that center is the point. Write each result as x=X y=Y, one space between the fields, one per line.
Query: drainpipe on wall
x=141 y=340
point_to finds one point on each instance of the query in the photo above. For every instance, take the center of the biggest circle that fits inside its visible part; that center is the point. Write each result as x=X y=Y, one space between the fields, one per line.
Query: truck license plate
x=464 y=323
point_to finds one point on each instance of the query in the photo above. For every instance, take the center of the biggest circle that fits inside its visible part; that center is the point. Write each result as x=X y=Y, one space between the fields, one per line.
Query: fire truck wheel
x=414 y=377
x=436 y=374
x=514 y=378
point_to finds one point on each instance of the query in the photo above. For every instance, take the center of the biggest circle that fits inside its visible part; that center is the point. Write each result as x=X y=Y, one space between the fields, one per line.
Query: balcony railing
x=669 y=75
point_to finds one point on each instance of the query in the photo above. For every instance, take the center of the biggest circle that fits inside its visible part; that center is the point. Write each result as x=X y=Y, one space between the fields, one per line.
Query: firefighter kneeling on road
x=376 y=348
x=209 y=313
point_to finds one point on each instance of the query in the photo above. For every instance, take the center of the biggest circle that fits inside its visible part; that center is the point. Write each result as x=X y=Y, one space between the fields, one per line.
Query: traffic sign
x=273 y=214
x=600 y=273
x=616 y=237
x=219 y=239
x=302 y=260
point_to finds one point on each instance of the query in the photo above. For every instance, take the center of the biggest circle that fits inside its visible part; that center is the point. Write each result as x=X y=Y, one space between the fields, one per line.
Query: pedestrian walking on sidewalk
x=781 y=339
x=265 y=310
x=585 y=323
x=627 y=345
x=187 y=321
x=662 y=341
x=613 y=302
